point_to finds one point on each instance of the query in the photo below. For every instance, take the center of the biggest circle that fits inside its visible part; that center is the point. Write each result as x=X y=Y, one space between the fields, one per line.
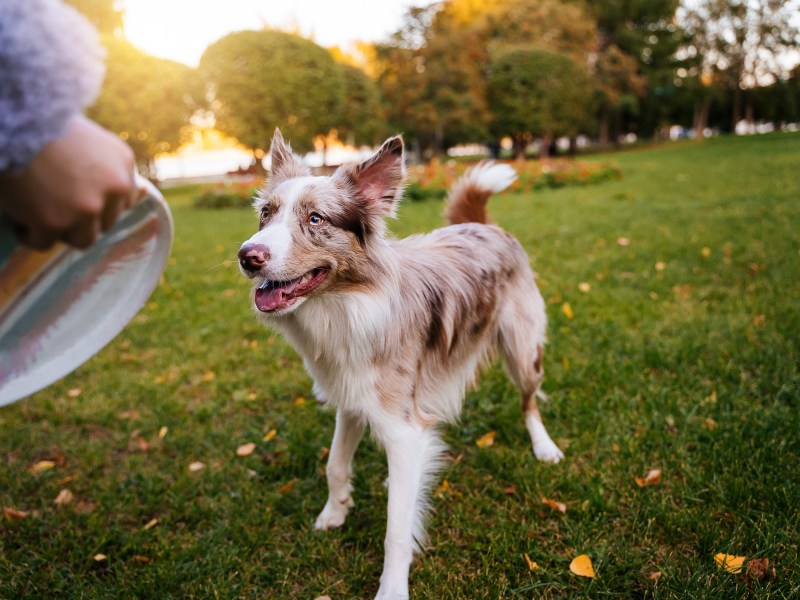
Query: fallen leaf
x=582 y=566
x=706 y=251
x=12 y=514
x=554 y=504
x=42 y=465
x=532 y=566
x=322 y=598
x=653 y=477
x=623 y=241
x=99 y=557
x=486 y=440
x=323 y=453
x=759 y=320
x=442 y=489
x=299 y=401
x=510 y=490
x=208 y=376
x=567 y=310
x=245 y=449
x=162 y=433
x=138 y=558
x=129 y=414
x=64 y=497
x=729 y=562
x=585 y=287
x=654 y=576
x=710 y=424
x=615 y=448
x=196 y=466
x=660 y=266
x=143 y=444
x=287 y=486
x=269 y=435
x=150 y=524
x=84 y=508
x=758 y=568
x=74 y=392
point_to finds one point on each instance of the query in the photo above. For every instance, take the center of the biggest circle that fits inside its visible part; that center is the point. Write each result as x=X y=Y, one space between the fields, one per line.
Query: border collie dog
x=393 y=331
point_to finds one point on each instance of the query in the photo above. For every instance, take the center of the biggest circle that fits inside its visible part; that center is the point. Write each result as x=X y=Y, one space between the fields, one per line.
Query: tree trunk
x=737 y=109
x=520 y=144
x=700 y=120
x=573 y=145
x=605 y=123
x=544 y=150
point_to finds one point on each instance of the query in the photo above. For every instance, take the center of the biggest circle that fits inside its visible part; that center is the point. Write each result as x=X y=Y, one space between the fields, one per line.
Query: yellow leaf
x=615 y=448
x=196 y=466
x=150 y=524
x=64 y=497
x=565 y=363
x=532 y=566
x=299 y=401
x=706 y=251
x=269 y=435
x=585 y=287
x=162 y=433
x=729 y=562
x=554 y=504
x=582 y=566
x=245 y=449
x=653 y=477
x=209 y=376
x=42 y=465
x=442 y=489
x=567 y=310
x=486 y=440
x=99 y=557
x=660 y=266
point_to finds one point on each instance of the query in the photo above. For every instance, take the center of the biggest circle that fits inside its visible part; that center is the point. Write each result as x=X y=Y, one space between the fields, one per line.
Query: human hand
x=74 y=188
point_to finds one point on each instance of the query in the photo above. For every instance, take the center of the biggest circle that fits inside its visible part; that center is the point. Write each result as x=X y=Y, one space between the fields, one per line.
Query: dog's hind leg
x=522 y=344
x=339 y=471
x=413 y=452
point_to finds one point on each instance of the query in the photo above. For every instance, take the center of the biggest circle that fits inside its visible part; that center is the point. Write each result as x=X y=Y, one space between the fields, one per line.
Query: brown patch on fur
x=467 y=205
x=537 y=364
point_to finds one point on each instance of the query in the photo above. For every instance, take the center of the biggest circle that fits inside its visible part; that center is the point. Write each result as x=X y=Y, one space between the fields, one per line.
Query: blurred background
x=198 y=89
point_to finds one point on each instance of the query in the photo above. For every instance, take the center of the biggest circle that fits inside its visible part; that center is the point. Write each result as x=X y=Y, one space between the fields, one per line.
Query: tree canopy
x=261 y=80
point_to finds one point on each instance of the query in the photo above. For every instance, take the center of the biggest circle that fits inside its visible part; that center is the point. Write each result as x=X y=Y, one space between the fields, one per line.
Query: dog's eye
x=264 y=213
x=315 y=219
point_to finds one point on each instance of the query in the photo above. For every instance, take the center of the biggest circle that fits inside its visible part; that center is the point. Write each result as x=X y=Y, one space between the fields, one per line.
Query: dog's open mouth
x=275 y=295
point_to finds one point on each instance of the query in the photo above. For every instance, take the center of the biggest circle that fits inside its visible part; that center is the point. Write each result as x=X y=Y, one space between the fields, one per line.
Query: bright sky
x=181 y=29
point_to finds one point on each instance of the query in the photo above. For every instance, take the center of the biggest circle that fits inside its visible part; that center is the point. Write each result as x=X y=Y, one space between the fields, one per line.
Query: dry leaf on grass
x=138 y=558
x=582 y=566
x=64 y=497
x=99 y=557
x=567 y=310
x=486 y=440
x=442 y=489
x=150 y=524
x=710 y=424
x=269 y=435
x=246 y=449
x=287 y=486
x=653 y=477
x=758 y=568
x=12 y=514
x=74 y=392
x=554 y=504
x=299 y=401
x=42 y=465
x=729 y=562
x=208 y=376
x=532 y=565
x=162 y=433
x=196 y=466
x=322 y=598
x=623 y=241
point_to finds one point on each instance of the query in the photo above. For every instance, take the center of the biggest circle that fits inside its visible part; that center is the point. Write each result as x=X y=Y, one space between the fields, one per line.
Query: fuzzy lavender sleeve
x=51 y=69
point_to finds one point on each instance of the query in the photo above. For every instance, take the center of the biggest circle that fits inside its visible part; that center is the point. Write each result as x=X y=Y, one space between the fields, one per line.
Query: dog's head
x=317 y=233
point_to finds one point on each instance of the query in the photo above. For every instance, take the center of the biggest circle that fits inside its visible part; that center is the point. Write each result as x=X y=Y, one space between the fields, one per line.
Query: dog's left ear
x=378 y=181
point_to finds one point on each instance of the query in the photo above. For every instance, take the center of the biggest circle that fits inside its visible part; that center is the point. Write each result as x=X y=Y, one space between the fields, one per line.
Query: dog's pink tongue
x=274 y=296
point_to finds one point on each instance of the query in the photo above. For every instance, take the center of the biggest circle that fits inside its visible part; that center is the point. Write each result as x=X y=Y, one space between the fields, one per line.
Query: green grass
x=650 y=356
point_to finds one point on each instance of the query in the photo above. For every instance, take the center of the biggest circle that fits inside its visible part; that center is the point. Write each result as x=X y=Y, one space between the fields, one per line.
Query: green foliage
x=535 y=93
x=267 y=79
x=146 y=100
x=362 y=118
x=231 y=195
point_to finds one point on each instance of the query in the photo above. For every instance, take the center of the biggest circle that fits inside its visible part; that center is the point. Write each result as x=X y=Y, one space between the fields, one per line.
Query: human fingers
x=38 y=238
x=83 y=234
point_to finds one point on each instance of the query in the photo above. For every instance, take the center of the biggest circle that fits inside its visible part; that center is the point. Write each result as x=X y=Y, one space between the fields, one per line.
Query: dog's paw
x=333 y=515
x=547 y=451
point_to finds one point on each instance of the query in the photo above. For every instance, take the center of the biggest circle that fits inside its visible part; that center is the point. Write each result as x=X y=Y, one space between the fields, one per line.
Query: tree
x=742 y=44
x=260 y=80
x=362 y=118
x=103 y=14
x=537 y=93
x=146 y=100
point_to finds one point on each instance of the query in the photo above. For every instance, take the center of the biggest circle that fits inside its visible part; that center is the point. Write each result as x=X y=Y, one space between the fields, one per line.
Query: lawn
x=673 y=298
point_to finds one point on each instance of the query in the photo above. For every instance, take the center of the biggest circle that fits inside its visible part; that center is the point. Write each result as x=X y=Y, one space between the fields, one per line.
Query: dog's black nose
x=253 y=257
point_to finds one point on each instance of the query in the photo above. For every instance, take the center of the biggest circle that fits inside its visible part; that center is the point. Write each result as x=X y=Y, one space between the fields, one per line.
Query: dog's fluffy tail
x=466 y=202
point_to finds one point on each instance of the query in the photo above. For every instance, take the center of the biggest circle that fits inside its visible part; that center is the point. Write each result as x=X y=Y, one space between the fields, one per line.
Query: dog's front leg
x=339 y=471
x=412 y=452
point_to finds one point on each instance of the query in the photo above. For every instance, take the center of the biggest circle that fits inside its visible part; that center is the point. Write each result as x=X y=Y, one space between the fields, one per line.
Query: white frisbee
x=58 y=308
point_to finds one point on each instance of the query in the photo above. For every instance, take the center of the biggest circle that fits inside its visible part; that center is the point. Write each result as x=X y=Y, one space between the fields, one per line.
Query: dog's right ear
x=284 y=163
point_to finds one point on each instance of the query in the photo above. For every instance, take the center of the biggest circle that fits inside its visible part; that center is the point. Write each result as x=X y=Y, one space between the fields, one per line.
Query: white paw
x=333 y=515
x=547 y=451
x=383 y=595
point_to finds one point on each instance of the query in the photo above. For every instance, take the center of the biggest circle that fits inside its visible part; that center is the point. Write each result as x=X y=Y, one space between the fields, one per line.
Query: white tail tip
x=491 y=176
